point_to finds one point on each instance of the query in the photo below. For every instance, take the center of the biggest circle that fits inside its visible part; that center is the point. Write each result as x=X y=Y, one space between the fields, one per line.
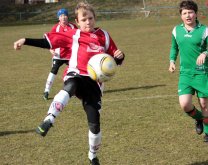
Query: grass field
x=142 y=123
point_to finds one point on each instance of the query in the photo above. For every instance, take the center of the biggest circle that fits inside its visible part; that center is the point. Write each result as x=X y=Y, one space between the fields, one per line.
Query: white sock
x=94 y=144
x=91 y=155
x=49 y=82
x=59 y=102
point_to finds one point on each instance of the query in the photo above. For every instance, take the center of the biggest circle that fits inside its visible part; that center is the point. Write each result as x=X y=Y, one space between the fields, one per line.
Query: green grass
x=142 y=122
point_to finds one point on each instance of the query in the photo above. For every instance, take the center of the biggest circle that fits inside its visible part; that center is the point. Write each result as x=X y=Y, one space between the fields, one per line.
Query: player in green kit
x=190 y=40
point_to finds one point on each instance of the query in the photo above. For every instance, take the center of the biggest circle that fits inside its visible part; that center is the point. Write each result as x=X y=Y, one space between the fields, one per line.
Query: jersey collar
x=198 y=24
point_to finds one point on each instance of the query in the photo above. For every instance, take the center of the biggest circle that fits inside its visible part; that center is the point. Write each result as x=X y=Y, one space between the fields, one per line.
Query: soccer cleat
x=44 y=127
x=45 y=95
x=205 y=138
x=94 y=161
x=199 y=127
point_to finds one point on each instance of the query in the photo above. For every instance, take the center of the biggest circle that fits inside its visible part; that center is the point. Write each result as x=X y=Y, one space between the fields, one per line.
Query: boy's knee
x=94 y=127
x=62 y=97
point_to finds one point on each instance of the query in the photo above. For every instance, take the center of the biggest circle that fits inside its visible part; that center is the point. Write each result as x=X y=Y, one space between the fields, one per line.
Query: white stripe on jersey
x=45 y=35
x=107 y=40
x=205 y=34
x=71 y=25
x=75 y=47
x=174 y=32
x=57 y=50
x=206 y=31
x=58 y=28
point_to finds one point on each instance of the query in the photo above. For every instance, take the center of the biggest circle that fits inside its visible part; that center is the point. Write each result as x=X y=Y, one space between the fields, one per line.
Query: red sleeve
x=112 y=46
x=53 y=29
x=59 y=39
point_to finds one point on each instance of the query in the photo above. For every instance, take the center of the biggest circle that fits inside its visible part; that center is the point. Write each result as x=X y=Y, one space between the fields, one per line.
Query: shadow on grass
x=134 y=88
x=5 y=133
x=200 y=163
x=127 y=89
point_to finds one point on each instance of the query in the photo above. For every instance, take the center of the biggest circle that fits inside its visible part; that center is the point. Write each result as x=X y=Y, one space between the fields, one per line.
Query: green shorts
x=191 y=84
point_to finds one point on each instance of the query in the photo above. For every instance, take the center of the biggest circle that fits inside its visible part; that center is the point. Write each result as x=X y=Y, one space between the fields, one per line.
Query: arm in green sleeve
x=205 y=44
x=174 y=49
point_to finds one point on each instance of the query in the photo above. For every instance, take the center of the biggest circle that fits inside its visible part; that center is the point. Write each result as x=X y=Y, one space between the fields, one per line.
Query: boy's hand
x=118 y=54
x=53 y=52
x=172 y=67
x=201 y=59
x=18 y=44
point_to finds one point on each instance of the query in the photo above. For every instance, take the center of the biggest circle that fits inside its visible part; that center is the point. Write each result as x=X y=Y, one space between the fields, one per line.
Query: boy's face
x=85 y=20
x=188 y=17
x=63 y=19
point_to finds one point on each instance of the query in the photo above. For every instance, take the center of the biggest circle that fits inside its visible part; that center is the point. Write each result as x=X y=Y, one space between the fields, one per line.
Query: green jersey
x=190 y=44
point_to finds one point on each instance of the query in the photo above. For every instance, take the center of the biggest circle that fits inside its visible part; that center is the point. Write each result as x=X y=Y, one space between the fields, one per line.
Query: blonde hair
x=84 y=6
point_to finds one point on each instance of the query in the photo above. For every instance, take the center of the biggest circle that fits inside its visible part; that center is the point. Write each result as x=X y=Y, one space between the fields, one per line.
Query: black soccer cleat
x=45 y=95
x=205 y=138
x=44 y=127
x=94 y=161
x=199 y=127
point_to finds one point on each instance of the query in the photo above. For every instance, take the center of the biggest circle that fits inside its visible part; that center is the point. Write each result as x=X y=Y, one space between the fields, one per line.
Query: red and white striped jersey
x=63 y=53
x=83 y=46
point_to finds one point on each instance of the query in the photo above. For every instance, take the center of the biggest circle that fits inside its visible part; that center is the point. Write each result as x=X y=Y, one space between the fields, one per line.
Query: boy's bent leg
x=197 y=115
x=59 y=102
x=186 y=104
x=48 y=85
x=51 y=77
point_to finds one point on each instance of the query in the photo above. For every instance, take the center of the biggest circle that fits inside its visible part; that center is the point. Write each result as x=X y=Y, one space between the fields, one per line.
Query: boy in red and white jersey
x=84 y=43
x=84 y=46
x=60 y=55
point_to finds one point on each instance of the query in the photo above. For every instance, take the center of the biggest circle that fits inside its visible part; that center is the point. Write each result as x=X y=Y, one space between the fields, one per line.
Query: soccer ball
x=101 y=67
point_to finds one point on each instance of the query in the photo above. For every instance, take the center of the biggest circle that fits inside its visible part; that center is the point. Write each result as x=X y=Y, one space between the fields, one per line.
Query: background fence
x=136 y=12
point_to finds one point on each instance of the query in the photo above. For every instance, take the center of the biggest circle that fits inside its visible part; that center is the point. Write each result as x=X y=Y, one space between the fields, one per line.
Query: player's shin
x=94 y=144
x=49 y=82
x=195 y=114
x=59 y=102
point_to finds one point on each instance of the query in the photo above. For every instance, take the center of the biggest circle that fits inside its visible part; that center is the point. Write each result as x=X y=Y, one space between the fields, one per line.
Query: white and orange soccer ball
x=101 y=67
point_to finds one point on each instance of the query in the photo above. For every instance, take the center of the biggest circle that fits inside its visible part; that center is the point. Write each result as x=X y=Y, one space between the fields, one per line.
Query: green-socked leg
x=205 y=123
x=195 y=114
